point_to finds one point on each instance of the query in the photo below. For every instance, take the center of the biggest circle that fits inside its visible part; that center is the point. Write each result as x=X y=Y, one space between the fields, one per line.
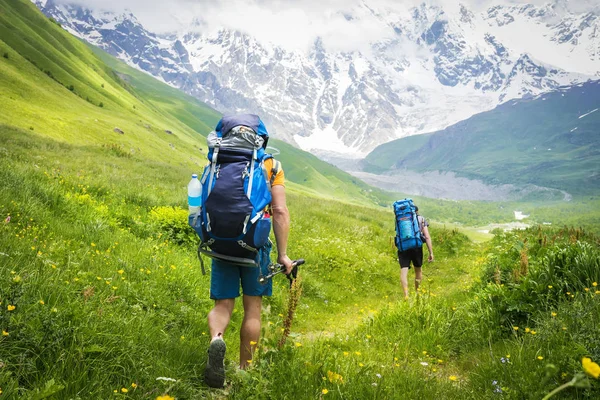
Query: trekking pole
x=275 y=269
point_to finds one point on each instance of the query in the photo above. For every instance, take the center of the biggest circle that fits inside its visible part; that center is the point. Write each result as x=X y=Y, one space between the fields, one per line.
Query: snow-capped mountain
x=434 y=67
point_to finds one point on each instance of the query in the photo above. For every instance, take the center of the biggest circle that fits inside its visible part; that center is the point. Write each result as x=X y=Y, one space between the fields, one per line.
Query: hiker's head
x=416 y=208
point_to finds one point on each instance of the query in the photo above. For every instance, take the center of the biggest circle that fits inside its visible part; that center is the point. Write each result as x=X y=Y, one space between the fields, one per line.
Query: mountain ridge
x=549 y=140
x=351 y=101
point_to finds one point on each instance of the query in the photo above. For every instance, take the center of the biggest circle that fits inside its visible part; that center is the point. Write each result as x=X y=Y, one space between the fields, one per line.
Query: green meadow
x=102 y=297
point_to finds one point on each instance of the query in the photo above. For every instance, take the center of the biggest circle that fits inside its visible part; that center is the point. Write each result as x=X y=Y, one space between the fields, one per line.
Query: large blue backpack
x=233 y=224
x=408 y=231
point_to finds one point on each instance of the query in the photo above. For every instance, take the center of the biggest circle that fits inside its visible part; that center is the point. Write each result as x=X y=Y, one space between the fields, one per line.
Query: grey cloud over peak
x=289 y=23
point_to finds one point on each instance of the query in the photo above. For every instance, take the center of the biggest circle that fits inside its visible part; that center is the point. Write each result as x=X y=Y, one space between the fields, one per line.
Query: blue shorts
x=225 y=278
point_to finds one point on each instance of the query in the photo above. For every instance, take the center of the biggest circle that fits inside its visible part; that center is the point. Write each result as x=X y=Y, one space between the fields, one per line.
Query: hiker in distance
x=411 y=231
x=243 y=188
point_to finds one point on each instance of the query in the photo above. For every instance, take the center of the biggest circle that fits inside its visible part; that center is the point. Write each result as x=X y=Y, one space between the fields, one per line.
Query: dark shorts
x=225 y=278
x=415 y=255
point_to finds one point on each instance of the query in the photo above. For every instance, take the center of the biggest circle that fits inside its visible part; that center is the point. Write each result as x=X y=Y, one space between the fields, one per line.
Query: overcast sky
x=290 y=23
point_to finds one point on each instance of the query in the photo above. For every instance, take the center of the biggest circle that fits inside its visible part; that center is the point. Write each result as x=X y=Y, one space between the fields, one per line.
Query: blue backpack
x=408 y=231
x=233 y=224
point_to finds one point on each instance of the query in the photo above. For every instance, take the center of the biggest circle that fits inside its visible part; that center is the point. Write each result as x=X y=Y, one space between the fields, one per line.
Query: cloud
x=341 y=24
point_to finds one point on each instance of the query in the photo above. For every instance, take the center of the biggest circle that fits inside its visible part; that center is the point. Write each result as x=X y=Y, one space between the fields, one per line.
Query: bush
x=530 y=271
x=117 y=150
x=5 y=55
x=173 y=223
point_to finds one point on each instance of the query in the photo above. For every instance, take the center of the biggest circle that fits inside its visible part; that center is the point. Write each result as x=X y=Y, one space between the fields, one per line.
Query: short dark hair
x=416 y=208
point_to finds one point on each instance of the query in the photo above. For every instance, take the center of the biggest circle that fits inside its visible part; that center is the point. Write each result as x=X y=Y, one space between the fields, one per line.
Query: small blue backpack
x=233 y=223
x=408 y=231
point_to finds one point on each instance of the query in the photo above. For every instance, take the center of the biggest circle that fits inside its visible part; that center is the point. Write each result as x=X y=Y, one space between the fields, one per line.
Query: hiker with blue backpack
x=243 y=191
x=411 y=231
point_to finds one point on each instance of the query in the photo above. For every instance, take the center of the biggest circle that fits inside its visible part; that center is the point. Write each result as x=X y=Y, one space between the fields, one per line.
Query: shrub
x=117 y=150
x=172 y=221
x=101 y=104
x=5 y=55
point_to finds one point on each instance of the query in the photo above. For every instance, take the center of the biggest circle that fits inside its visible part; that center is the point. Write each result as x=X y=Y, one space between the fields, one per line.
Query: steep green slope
x=53 y=84
x=185 y=108
x=547 y=141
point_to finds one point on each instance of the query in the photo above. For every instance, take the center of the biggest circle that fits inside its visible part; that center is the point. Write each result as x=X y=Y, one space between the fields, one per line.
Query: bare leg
x=404 y=281
x=418 y=277
x=250 y=331
x=219 y=317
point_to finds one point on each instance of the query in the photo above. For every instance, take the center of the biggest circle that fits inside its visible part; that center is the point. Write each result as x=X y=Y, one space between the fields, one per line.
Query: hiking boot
x=214 y=374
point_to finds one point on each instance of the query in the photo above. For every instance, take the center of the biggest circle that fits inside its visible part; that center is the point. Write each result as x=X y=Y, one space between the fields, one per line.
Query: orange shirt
x=280 y=177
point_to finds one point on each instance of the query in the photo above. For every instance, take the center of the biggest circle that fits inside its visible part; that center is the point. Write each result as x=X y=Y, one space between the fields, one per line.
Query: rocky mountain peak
x=434 y=67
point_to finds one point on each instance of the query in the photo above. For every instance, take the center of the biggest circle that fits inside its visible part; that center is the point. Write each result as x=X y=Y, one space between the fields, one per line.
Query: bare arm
x=281 y=225
x=427 y=238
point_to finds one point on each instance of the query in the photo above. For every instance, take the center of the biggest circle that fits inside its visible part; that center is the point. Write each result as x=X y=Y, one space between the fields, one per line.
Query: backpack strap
x=213 y=161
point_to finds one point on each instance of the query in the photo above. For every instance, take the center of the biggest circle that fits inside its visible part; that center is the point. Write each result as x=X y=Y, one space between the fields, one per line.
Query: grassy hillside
x=546 y=141
x=55 y=85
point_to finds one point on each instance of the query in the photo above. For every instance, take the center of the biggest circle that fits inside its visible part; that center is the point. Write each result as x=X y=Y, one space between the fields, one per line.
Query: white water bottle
x=194 y=195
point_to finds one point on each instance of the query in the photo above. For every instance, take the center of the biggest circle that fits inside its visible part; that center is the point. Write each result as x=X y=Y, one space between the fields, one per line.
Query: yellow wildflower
x=124 y=390
x=453 y=378
x=4 y=333
x=527 y=330
x=549 y=286
x=516 y=328
x=10 y=307
x=324 y=391
x=298 y=344
x=361 y=364
x=590 y=367
x=346 y=353
x=357 y=353
x=134 y=385
x=594 y=284
x=334 y=377
x=120 y=272
x=42 y=302
x=553 y=314
x=540 y=358
x=165 y=397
